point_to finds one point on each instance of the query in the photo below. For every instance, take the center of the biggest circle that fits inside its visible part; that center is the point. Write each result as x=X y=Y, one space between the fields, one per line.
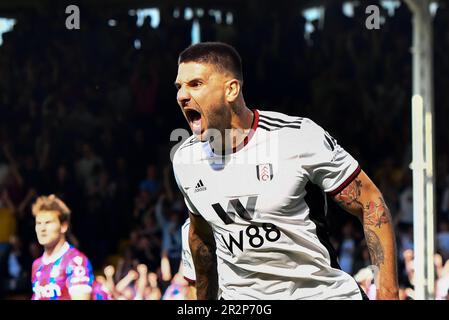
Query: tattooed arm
x=362 y=198
x=202 y=246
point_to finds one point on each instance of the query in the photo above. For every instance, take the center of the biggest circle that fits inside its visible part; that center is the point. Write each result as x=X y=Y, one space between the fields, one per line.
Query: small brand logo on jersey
x=264 y=172
x=200 y=186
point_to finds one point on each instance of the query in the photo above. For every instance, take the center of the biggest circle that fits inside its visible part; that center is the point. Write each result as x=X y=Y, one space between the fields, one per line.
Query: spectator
x=347 y=248
x=365 y=278
x=8 y=220
x=443 y=239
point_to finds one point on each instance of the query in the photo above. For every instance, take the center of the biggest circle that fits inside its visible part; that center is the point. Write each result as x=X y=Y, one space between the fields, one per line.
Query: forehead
x=193 y=70
x=47 y=216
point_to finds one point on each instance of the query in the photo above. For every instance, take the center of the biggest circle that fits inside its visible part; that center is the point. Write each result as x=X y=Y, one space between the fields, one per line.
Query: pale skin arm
x=109 y=272
x=202 y=246
x=364 y=200
x=142 y=280
x=123 y=283
x=165 y=268
x=80 y=296
x=155 y=291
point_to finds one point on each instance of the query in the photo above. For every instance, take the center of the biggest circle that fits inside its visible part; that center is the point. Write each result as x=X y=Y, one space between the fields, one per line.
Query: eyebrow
x=177 y=84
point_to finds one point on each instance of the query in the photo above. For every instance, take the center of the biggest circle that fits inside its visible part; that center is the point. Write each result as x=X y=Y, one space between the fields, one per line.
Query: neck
x=241 y=117
x=52 y=249
x=241 y=121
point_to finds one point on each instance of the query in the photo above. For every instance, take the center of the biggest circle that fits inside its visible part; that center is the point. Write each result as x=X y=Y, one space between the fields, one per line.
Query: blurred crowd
x=87 y=115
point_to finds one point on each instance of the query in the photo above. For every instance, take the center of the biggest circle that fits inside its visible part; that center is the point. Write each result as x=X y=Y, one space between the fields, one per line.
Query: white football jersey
x=188 y=268
x=272 y=243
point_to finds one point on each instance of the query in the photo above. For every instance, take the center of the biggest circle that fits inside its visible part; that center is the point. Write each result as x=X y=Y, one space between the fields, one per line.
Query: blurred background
x=87 y=115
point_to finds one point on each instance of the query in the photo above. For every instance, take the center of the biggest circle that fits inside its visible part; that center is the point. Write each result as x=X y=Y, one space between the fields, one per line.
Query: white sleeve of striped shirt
x=327 y=164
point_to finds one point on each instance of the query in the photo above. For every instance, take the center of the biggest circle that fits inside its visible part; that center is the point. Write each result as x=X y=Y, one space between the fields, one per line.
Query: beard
x=219 y=122
x=218 y=119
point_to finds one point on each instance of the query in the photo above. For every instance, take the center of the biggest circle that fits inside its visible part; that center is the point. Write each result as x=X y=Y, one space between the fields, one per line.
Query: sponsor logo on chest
x=50 y=290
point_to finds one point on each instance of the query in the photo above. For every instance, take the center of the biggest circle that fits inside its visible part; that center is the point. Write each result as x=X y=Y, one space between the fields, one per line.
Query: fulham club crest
x=264 y=172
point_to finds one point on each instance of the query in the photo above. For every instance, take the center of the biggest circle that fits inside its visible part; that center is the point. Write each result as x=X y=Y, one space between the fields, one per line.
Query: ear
x=232 y=90
x=64 y=227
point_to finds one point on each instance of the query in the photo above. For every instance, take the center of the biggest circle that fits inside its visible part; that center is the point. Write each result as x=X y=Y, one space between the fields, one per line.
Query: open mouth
x=194 y=119
x=192 y=115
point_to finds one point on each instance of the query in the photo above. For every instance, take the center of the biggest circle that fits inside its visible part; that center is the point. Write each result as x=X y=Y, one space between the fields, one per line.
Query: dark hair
x=219 y=54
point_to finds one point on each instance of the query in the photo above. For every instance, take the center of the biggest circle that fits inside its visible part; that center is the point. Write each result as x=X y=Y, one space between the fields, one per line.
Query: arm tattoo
x=204 y=256
x=370 y=207
x=206 y=270
x=376 y=213
x=350 y=195
x=375 y=247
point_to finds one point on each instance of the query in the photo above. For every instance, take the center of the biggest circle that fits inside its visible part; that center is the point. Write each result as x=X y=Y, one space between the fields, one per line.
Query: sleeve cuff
x=346 y=182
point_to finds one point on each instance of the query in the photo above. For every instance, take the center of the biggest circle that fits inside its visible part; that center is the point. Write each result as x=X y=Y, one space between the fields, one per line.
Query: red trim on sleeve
x=346 y=183
x=190 y=281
